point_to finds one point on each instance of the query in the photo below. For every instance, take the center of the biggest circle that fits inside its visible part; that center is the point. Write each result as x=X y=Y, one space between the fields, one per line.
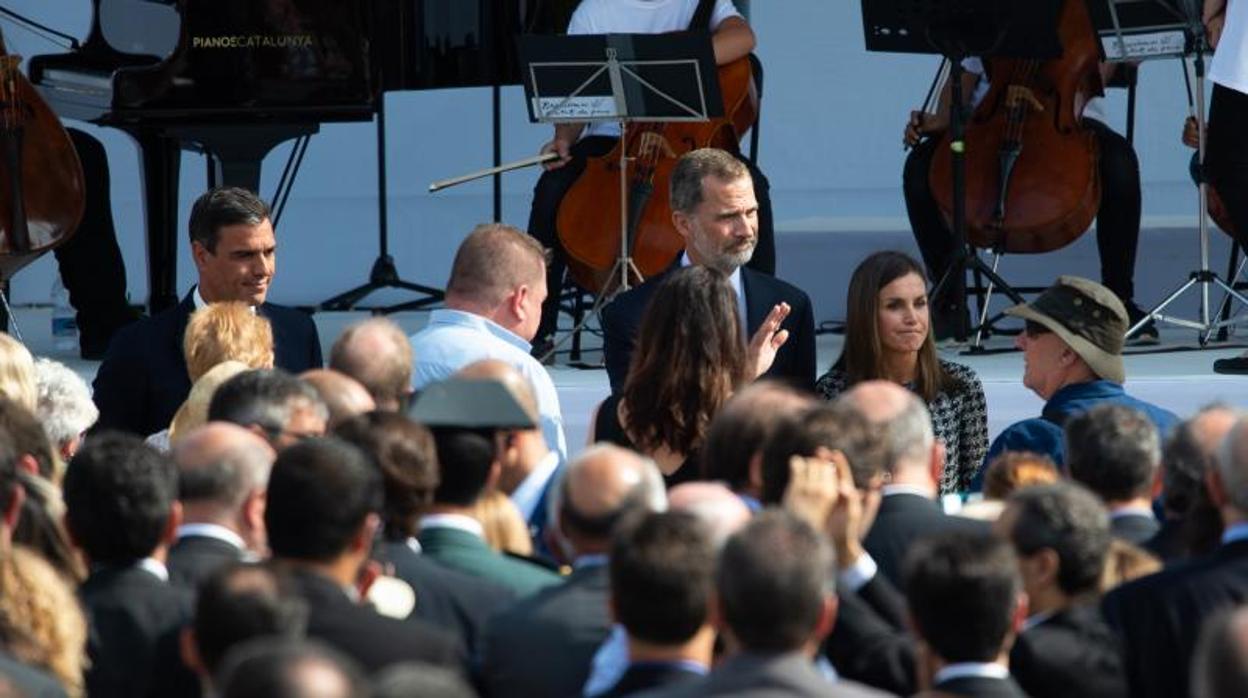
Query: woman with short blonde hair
x=229 y=331
x=17 y=373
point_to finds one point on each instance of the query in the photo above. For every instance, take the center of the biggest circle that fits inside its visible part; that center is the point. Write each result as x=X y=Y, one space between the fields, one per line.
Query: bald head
x=600 y=487
x=342 y=394
x=714 y=504
x=376 y=353
x=1211 y=425
x=223 y=471
x=515 y=383
x=899 y=419
x=1232 y=467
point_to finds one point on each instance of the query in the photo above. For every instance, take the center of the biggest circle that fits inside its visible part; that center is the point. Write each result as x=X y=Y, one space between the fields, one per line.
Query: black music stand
x=958 y=29
x=622 y=78
x=384 y=274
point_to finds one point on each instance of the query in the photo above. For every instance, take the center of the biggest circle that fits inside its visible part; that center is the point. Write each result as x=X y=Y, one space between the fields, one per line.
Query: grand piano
x=234 y=78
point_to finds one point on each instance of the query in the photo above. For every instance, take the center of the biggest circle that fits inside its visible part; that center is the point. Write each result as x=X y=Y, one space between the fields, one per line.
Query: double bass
x=1032 y=183
x=588 y=221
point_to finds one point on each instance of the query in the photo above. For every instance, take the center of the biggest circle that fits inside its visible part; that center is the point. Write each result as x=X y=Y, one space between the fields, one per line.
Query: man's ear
x=253 y=509
x=683 y=224
x=189 y=649
x=1159 y=483
x=366 y=534
x=171 y=526
x=827 y=617
x=1215 y=487
x=26 y=463
x=754 y=475
x=13 y=512
x=199 y=253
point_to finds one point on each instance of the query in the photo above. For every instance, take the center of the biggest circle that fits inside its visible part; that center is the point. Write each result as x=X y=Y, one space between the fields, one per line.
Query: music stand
x=958 y=29
x=621 y=78
x=1135 y=30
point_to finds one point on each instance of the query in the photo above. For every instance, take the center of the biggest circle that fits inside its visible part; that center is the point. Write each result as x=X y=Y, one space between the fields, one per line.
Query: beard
x=728 y=258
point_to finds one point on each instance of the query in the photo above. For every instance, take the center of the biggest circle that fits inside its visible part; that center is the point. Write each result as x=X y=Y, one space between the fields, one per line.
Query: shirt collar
x=414 y=545
x=458 y=522
x=960 y=670
x=155 y=567
x=529 y=493
x=1235 y=533
x=683 y=664
x=1123 y=512
x=584 y=562
x=463 y=318
x=211 y=530
x=1036 y=619
x=888 y=490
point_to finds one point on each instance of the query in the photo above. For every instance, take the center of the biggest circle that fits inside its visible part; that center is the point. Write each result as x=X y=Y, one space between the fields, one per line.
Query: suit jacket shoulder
x=902 y=519
x=142 y=380
x=544 y=644
x=296 y=344
x=1073 y=653
x=193 y=559
x=469 y=554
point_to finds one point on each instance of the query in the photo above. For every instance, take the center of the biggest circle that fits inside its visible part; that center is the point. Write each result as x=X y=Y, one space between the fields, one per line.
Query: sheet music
x=1168 y=42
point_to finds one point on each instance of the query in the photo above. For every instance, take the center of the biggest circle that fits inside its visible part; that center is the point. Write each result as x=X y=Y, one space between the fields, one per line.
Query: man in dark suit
x=121 y=510
x=1061 y=536
x=715 y=211
x=775 y=602
x=900 y=423
x=1114 y=450
x=1160 y=616
x=143 y=379
x=966 y=605
x=321 y=516
x=662 y=572
x=1221 y=661
x=544 y=644
x=1190 y=526
x=223 y=471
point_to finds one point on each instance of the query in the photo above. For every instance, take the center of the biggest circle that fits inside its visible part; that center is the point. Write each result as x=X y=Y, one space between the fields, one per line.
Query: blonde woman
x=17 y=373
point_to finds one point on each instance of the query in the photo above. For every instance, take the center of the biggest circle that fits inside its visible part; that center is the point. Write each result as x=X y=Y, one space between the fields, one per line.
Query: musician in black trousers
x=732 y=39
x=90 y=262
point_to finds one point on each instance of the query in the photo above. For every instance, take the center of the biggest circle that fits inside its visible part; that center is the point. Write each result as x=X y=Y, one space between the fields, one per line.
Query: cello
x=589 y=215
x=1032 y=183
x=42 y=192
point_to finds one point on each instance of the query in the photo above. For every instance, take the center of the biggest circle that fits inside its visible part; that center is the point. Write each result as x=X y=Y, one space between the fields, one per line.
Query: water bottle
x=64 y=325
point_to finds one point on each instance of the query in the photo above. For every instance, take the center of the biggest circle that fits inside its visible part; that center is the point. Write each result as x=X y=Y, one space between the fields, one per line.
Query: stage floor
x=1176 y=375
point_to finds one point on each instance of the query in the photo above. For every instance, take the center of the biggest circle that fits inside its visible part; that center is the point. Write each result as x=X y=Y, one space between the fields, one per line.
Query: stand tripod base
x=1207 y=324
x=617 y=283
x=384 y=274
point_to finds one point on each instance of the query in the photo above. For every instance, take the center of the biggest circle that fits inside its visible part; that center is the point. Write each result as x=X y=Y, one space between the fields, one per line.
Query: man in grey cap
x=1072 y=357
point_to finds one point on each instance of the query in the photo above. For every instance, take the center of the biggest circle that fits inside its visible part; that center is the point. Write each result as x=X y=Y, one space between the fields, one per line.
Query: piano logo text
x=253 y=41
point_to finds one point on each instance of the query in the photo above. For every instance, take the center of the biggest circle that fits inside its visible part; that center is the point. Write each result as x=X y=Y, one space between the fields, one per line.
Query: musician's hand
x=1191 y=136
x=562 y=148
x=922 y=124
x=767 y=341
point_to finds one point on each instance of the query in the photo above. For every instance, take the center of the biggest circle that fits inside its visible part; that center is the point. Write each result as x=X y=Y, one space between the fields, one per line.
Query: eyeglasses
x=275 y=432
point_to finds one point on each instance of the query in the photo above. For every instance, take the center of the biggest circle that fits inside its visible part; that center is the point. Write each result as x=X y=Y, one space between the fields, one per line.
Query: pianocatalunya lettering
x=253 y=41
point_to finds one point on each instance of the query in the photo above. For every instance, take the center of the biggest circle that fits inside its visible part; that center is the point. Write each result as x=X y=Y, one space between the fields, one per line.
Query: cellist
x=731 y=38
x=1117 y=220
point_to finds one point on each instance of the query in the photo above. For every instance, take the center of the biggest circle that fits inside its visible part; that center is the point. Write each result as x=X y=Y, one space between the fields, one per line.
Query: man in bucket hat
x=1072 y=357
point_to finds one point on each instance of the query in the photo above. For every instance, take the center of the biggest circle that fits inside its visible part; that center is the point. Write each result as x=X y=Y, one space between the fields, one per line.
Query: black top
x=959 y=418
x=193 y=559
x=607 y=428
x=1072 y=654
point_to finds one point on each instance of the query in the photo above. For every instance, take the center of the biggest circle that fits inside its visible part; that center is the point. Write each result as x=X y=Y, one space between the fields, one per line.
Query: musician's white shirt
x=638 y=17
x=1230 y=59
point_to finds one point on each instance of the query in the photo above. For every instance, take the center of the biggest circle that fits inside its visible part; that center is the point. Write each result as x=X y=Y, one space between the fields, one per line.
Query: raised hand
x=767 y=341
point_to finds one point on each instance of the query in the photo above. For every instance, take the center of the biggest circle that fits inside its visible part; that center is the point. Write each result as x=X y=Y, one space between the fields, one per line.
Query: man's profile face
x=722 y=231
x=241 y=268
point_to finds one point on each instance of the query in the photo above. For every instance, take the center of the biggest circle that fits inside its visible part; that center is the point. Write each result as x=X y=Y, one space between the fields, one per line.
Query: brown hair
x=696 y=165
x=862 y=357
x=405 y=454
x=690 y=358
x=228 y=331
x=1013 y=470
x=492 y=261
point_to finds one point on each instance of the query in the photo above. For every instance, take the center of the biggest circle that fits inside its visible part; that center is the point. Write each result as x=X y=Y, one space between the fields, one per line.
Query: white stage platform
x=1181 y=381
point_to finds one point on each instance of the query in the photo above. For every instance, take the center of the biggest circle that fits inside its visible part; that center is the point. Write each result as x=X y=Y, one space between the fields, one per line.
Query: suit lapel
x=756 y=307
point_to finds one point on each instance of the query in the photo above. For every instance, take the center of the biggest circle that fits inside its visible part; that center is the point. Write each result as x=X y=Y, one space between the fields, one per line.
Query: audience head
x=411 y=679
x=598 y=489
x=272 y=403
x=499 y=273
x=323 y=500
x=714 y=208
x=233 y=246
x=120 y=499
x=1220 y=664
x=376 y=353
x=1189 y=453
x=343 y=396
x=1074 y=334
x=1013 y=470
x=223 y=472
x=1228 y=483
x=239 y=603
x=467 y=465
x=775 y=586
x=1114 y=450
x=64 y=406
x=226 y=331
x=519 y=450
x=716 y=506
x=903 y=426
x=407 y=458
x=34 y=451
x=689 y=359
x=733 y=450
x=193 y=412
x=17 y=373
x=1060 y=533
x=662 y=568
x=822 y=429
x=964 y=595
x=271 y=668
x=887 y=315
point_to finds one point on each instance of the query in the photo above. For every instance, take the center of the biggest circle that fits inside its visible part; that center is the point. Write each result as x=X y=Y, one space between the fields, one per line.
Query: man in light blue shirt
x=493 y=307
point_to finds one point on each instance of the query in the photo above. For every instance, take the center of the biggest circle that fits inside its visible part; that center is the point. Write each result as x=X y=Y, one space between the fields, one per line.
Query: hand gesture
x=761 y=352
x=812 y=490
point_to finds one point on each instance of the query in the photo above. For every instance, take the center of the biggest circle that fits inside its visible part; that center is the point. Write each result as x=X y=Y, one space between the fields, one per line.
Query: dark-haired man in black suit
x=322 y=517
x=1159 y=617
x=121 y=510
x=1114 y=450
x=715 y=211
x=1061 y=536
x=143 y=378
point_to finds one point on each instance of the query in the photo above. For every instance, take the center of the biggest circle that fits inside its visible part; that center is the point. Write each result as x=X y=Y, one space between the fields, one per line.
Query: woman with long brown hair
x=691 y=356
x=888 y=337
